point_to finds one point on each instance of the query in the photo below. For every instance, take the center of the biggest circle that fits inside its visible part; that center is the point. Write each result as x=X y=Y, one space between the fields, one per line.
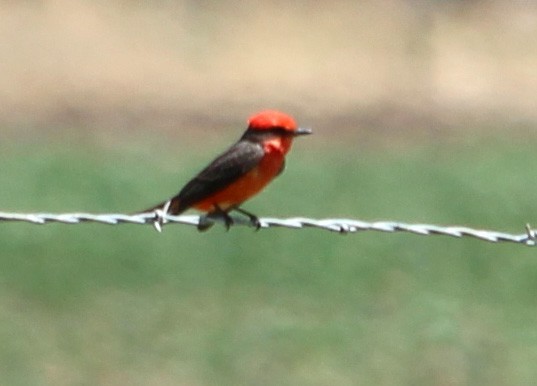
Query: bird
x=239 y=173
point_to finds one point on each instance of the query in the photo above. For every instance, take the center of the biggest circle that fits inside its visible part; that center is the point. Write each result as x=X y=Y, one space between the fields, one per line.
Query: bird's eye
x=279 y=131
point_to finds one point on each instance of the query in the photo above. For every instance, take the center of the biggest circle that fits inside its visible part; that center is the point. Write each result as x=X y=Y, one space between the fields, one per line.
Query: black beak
x=302 y=131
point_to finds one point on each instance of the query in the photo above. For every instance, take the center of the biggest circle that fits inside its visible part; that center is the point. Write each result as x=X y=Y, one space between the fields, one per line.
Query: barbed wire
x=339 y=225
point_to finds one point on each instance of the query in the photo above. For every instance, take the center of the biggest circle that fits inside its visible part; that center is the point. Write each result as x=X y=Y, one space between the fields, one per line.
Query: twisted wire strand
x=340 y=225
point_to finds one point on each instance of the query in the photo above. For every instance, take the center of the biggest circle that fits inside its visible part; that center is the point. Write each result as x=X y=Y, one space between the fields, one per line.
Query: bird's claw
x=206 y=222
x=254 y=221
x=228 y=221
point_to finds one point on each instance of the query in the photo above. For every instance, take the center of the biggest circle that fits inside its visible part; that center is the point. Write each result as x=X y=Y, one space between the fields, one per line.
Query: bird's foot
x=254 y=220
x=206 y=221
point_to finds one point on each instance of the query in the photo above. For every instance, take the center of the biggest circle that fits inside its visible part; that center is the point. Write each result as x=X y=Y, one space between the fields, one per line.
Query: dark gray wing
x=225 y=169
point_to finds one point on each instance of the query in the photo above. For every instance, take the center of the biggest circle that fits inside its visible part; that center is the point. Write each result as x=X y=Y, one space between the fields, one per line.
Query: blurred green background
x=422 y=111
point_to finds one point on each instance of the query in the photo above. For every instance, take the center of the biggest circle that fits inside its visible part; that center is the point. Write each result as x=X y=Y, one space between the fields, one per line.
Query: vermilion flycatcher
x=240 y=172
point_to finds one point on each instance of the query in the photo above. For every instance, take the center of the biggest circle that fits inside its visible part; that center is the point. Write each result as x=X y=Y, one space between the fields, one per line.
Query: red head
x=271 y=119
x=274 y=129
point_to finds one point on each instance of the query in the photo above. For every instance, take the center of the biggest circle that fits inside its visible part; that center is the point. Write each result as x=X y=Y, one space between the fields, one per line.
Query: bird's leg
x=228 y=221
x=254 y=220
x=216 y=213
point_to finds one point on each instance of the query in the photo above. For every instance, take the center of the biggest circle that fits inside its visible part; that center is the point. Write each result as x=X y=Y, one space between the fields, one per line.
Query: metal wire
x=344 y=226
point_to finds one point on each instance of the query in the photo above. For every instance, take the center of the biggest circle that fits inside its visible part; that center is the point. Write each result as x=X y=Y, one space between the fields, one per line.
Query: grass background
x=423 y=111
x=94 y=304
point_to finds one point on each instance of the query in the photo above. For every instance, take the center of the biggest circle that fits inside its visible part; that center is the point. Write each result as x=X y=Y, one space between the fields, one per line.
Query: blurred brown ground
x=380 y=66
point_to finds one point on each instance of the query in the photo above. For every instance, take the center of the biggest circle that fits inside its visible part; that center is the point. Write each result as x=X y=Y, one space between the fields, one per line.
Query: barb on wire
x=331 y=224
